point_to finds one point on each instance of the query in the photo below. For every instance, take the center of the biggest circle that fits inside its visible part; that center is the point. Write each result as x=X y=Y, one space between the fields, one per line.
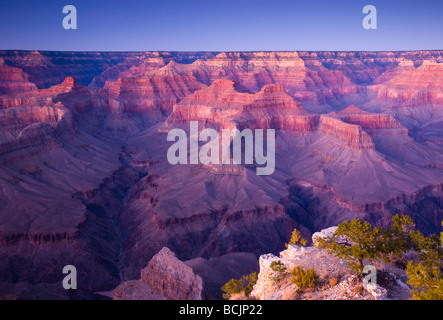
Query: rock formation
x=172 y=278
x=164 y=277
x=335 y=280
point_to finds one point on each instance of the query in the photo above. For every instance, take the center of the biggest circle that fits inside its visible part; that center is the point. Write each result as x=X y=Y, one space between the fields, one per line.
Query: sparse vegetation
x=235 y=287
x=279 y=271
x=357 y=240
x=426 y=274
x=303 y=278
x=354 y=241
x=296 y=239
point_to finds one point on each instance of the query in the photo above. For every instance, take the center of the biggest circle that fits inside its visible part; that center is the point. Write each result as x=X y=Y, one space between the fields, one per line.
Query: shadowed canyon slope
x=85 y=180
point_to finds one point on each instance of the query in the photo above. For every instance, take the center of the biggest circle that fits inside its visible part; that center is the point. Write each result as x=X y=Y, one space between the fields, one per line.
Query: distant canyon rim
x=85 y=179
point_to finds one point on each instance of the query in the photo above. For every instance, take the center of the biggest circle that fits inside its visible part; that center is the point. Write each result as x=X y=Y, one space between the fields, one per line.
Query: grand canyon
x=84 y=178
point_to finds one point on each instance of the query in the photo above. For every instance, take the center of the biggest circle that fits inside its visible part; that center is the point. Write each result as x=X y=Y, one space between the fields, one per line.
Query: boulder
x=171 y=277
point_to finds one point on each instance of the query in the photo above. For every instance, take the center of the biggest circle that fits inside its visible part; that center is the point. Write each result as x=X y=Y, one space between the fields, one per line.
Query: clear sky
x=221 y=25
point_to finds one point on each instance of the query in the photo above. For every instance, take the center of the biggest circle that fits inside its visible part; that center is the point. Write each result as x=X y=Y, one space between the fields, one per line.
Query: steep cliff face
x=13 y=80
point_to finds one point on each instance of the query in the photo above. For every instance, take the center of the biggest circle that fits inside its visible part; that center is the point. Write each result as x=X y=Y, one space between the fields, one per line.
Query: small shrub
x=426 y=274
x=279 y=271
x=235 y=287
x=304 y=278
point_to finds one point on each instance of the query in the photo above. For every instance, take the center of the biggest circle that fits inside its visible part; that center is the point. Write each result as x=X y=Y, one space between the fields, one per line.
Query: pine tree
x=355 y=241
x=426 y=275
x=243 y=285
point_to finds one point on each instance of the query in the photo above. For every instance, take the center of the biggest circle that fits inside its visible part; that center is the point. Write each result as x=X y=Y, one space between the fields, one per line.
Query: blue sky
x=221 y=25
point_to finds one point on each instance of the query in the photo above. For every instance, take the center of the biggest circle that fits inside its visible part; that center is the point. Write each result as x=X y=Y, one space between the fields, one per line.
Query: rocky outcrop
x=267 y=288
x=412 y=94
x=164 y=277
x=41 y=97
x=171 y=277
x=324 y=233
x=335 y=280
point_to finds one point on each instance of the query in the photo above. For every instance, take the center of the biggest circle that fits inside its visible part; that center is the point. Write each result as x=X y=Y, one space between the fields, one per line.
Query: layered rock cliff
x=14 y=80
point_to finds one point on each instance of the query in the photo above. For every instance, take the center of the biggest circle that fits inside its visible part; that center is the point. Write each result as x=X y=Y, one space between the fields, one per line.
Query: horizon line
x=212 y=51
